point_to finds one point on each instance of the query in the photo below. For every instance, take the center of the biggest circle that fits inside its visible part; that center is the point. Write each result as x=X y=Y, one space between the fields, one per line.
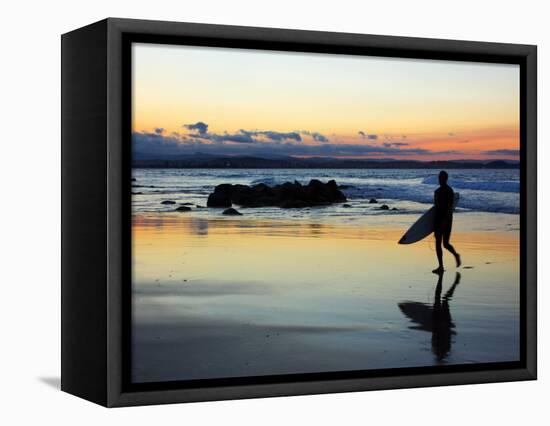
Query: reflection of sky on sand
x=235 y=297
x=363 y=226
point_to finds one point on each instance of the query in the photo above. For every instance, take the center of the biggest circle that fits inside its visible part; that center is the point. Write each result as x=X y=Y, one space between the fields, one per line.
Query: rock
x=166 y=202
x=346 y=186
x=394 y=208
x=134 y=179
x=220 y=197
x=287 y=195
x=183 y=209
x=231 y=212
x=384 y=207
x=199 y=206
x=137 y=193
x=332 y=184
x=373 y=201
x=186 y=204
x=346 y=205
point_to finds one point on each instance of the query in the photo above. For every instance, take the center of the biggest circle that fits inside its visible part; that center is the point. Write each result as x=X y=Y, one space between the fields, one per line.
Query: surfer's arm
x=439 y=203
x=450 y=203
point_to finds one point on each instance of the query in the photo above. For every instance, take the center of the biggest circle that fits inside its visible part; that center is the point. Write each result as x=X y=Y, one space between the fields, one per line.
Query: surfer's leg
x=448 y=246
x=439 y=251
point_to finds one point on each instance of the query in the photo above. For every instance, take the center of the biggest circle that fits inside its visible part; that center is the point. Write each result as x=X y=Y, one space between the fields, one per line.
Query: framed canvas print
x=253 y=212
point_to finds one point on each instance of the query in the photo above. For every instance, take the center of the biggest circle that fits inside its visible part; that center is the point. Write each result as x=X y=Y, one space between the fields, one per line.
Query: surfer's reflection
x=435 y=319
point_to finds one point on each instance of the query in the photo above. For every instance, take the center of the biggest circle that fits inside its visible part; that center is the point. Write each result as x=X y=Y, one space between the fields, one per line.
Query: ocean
x=406 y=192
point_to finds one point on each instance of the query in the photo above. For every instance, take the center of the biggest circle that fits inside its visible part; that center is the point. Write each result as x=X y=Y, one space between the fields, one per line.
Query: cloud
x=318 y=137
x=502 y=152
x=144 y=142
x=270 y=143
x=451 y=134
x=240 y=137
x=394 y=144
x=279 y=136
x=199 y=126
x=371 y=136
x=249 y=136
x=244 y=144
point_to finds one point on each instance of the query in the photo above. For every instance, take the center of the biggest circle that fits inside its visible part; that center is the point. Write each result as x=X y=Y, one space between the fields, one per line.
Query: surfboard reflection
x=435 y=319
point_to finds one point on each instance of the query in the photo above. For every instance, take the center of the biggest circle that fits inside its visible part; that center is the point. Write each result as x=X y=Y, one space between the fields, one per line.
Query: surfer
x=443 y=221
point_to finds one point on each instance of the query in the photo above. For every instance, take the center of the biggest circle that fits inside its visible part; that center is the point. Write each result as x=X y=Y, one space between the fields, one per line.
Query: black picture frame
x=96 y=225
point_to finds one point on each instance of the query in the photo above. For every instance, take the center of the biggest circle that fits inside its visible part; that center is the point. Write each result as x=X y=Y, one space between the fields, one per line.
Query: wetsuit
x=443 y=199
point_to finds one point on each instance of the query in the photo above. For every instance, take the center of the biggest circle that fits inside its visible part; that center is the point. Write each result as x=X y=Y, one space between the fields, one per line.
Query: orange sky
x=346 y=106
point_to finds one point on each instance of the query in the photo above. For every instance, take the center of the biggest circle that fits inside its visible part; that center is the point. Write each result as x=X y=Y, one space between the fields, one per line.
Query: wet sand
x=235 y=297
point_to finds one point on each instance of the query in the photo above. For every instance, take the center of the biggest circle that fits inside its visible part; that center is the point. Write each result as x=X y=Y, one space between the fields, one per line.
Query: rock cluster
x=287 y=195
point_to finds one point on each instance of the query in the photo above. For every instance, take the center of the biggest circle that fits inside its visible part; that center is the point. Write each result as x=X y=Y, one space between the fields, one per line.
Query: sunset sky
x=190 y=100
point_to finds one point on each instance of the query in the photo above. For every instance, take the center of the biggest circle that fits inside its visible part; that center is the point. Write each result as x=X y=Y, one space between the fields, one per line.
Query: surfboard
x=424 y=226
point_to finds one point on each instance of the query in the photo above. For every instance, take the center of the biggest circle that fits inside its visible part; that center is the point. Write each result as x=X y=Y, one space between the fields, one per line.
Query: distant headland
x=245 y=162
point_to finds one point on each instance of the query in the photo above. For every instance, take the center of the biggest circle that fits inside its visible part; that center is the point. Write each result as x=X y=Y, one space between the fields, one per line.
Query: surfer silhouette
x=443 y=221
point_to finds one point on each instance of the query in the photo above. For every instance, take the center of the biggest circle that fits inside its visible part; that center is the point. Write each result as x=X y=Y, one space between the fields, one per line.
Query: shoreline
x=464 y=221
x=231 y=297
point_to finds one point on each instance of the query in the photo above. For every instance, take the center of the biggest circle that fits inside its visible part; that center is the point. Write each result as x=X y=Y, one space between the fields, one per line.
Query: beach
x=217 y=296
x=267 y=209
